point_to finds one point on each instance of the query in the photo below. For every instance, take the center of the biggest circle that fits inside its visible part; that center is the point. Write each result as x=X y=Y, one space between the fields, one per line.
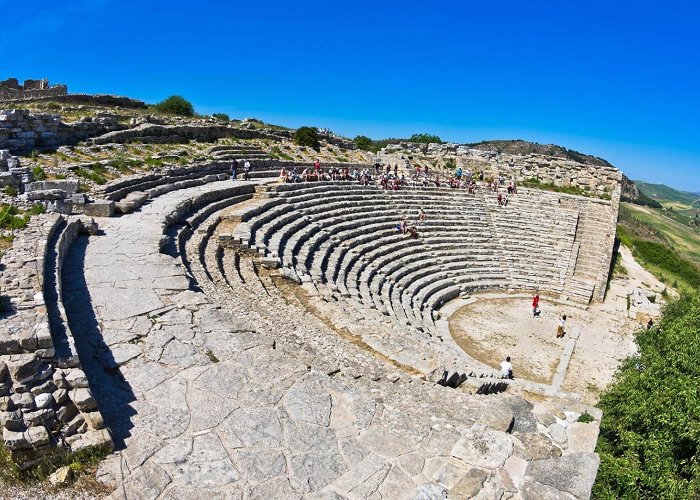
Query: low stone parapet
x=45 y=400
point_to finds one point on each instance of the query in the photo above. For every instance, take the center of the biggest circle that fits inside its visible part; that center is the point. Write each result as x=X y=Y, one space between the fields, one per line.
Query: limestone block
x=98 y=208
x=83 y=399
x=37 y=436
x=482 y=446
x=15 y=440
x=573 y=473
x=76 y=379
x=582 y=437
x=12 y=420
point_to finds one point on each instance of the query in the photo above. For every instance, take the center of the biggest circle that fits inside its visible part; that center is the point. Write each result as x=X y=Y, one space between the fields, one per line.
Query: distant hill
x=663 y=193
x=520 y=147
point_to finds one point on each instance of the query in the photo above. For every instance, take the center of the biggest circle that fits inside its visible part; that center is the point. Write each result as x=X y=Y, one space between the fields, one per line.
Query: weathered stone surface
x=61 y=477
x=83 y=399
x=573 y=473
x=535 y=446
x=483 y=447
x=582 y=437
x=469 y=485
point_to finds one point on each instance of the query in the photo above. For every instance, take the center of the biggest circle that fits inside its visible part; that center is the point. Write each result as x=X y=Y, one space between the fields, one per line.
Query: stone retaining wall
x=22 y=131
x=150 y=133
x=45 y=400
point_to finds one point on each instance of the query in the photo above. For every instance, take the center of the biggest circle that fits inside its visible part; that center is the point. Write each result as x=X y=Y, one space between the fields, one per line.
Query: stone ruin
x=11 y=89
x=252 y=339
x=172 y=336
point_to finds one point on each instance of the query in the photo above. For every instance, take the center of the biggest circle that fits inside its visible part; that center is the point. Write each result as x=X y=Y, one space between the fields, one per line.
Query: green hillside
x=663 y=193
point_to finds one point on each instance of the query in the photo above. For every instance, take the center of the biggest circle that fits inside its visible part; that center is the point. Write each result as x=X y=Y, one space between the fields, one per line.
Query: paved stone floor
x=203 y=404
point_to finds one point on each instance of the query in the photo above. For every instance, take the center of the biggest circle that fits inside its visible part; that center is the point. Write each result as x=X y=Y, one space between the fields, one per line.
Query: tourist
x=414 y=232
x=421 y=215
x=234 y=170
x=536 y=305
x=499 y=199
x=506 y=368
x=404 y=226
x=560 y=327
x=284 y=176
x=396 y=170
x=458 y=173
x=246 y=171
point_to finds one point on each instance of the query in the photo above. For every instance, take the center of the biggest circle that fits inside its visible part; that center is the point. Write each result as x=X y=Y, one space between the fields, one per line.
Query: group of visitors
x=246 y=170
x=411 y=230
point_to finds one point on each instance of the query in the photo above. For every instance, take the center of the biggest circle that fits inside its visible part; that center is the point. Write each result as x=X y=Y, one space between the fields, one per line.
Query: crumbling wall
x=10 y=89
x=22 y=131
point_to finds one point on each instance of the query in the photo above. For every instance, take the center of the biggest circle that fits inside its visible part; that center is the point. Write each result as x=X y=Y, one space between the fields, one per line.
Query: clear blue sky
x=617 y=79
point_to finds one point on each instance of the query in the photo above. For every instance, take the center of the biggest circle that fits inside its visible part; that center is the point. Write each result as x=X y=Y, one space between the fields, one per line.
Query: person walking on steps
x=535 y=305
x=234 y=170
x=246 y=171
x=560 y=327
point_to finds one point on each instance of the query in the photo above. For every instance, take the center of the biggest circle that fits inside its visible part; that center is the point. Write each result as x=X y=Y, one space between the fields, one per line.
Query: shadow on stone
x=109 y=388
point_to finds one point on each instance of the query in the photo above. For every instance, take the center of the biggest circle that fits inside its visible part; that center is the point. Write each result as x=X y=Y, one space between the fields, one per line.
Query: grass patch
x=153 y=162
x=585 y=418
x=548 y=186
x=10 y=191
x=80 y=463
x=659 y=258
x=12 y=217
x=277 y=151
x=211 y=356
x=38 y=173
x=97 y=174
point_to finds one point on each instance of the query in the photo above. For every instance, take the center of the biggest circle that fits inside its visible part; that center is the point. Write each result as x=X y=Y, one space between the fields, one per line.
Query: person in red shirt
x=535 y=305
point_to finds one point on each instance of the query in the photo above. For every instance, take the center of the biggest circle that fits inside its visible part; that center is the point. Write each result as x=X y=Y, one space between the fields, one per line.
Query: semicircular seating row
x=344 y=236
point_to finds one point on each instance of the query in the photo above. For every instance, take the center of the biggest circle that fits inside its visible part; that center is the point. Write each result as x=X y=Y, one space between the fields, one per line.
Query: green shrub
x=53 y=106
x=307 y=136
x=277 y=151
x=650 y=431
x=425 y=138
x=222 y=117
x=39 y=174
x=10 y=191
x=175 y=105
x=363 y=142
x=585 y=418
x=91 y=174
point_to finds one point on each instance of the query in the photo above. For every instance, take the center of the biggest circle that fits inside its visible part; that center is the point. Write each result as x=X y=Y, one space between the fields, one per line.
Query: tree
x=650 y=431
x=307 y=136
x=175 y=105
x=222 y=117
x=363 y=142
x=425 y=138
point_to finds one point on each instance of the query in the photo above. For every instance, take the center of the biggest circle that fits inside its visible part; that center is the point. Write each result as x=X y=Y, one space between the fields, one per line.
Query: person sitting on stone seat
x=421 y=215
x=506 y=368
x=284 y=175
